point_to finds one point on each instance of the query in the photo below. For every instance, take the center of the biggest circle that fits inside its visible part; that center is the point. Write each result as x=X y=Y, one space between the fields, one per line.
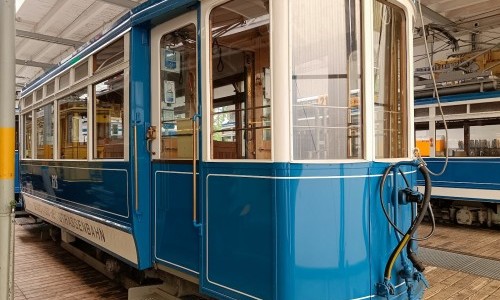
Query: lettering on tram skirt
x=78 y=225
x=83 y=227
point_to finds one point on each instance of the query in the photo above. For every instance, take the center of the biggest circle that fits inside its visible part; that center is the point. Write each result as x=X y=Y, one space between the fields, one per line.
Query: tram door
x=172 y=142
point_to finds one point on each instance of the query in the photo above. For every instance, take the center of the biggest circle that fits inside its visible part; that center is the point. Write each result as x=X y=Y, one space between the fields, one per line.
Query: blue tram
x=237 y=145
x=468 y=192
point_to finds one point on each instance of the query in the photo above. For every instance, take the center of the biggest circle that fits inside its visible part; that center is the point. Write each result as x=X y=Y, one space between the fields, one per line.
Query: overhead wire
x=436 y=93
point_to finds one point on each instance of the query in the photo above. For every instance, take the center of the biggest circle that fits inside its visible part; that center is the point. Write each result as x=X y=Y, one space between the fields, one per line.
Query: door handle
x=150 y=136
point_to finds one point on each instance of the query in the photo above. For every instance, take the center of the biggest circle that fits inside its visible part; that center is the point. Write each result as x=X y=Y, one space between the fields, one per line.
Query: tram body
x=238 y=145
x=468 y=191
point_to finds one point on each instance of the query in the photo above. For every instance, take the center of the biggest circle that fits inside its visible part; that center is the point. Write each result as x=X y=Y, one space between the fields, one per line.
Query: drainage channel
x=460 y=262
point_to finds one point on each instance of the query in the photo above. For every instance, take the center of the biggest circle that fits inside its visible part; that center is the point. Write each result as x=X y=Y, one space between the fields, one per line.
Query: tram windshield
x=391 y=103
x=328 y=106
x=326 y=79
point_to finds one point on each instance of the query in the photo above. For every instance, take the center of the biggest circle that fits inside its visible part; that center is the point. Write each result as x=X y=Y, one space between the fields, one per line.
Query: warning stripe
x=7 y=137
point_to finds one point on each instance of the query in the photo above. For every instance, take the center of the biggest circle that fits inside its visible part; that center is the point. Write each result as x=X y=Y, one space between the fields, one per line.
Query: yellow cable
x=396 y=254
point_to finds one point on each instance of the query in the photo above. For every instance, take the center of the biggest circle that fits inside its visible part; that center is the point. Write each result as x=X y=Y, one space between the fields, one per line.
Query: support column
x=7 y=137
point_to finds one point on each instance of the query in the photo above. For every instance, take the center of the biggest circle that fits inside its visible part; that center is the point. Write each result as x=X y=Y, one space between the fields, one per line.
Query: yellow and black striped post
x=7 y=136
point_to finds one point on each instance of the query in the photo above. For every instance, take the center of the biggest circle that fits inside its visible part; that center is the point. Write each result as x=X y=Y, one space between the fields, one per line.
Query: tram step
x=150 y=292
x=26 y=220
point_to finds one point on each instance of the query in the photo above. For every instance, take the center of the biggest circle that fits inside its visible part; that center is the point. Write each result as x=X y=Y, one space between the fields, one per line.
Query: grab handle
x=195 y=151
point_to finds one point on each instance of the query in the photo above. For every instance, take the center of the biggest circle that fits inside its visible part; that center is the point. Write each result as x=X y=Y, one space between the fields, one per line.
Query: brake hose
x=413 y=228
x=381 y=197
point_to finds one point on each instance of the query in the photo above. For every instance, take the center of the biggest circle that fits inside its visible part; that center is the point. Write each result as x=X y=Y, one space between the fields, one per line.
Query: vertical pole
x=7 y=137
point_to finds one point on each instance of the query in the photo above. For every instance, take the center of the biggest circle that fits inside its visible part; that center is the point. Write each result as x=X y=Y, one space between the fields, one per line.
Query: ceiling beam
x=123 y=3
x=48 y=38
x=475 y=10
x=36 y=64
x=436 y=17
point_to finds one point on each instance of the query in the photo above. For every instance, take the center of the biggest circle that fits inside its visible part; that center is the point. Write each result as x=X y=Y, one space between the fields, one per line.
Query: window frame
x=84 y=83
x=93 y=128
x=186 y=19
x=206 y=79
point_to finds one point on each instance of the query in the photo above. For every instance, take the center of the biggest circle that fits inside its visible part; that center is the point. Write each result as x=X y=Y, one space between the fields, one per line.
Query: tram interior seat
x=113 y=150
x=74 y=151
x=225 y=150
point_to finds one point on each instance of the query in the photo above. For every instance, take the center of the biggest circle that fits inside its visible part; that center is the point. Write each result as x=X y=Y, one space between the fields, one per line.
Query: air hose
x=407 y=238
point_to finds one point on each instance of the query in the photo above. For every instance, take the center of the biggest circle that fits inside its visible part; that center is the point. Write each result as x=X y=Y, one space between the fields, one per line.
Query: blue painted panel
x=100 y=189
x=331 y=238
x=176 y=240
x=17 y=184
x=325 y=242
x=160 y=10
x=239 y=234
x=140 y=114
x=471 y=173
x=457 y=97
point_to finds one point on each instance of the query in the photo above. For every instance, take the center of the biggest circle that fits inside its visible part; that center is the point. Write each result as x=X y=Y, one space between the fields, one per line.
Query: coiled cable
x=391 y=222
x=407 y=238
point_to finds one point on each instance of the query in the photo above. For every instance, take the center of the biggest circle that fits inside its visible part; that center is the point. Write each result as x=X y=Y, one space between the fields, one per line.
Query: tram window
x=108 y=117
x=452 y=109
x=73 y=125
x=326 y=79
x=108 y=56
x=178 y=92
x=455 y=145
x=44 y=132
x=423 y=139
x=81 y=71
x=28 y=130
x=240 y=107
x=485 y=107
x=38 y=94
x=28 y=100
x=421 y=112
x=64 y=81
x=391 y=103
x=484 y=140
x=50 y=88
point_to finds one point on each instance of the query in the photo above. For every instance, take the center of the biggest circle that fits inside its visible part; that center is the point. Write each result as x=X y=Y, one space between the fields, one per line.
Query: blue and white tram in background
x=238 y=145
x=468 y=192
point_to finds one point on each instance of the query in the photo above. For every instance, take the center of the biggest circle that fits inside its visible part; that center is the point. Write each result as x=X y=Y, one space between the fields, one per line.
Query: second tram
x=469 y=191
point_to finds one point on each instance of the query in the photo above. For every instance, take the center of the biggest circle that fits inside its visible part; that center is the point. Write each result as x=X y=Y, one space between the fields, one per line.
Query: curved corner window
x=73 y=125
x=326 y=79
x=391 y=90
x=44 y=131
x=240 y=70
